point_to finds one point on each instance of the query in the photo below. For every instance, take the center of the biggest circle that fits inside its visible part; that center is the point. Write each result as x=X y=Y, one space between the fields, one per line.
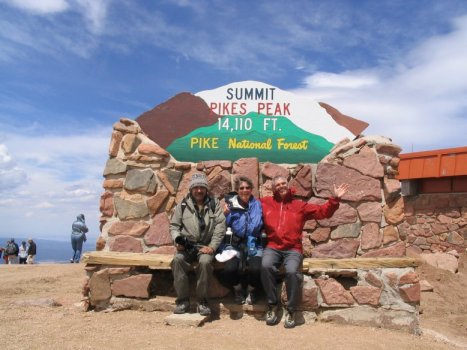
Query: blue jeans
x=272 y=260
x=77 y=245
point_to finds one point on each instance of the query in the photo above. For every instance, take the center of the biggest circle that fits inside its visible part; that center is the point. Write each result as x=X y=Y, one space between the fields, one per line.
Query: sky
x=69 y=69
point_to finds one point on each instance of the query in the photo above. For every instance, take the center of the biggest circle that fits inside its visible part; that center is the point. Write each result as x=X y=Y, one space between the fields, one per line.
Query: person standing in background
x=32 y=251
x=22 y=253
x=78 y=236
x=12 y=251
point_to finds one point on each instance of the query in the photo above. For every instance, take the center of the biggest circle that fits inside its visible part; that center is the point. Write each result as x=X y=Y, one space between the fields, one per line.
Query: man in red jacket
x=284 y=218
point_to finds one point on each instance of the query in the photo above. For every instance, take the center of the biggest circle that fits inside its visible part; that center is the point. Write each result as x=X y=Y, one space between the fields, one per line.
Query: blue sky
x=69 y=69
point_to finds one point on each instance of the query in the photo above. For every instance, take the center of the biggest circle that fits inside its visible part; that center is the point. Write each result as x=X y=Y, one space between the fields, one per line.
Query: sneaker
x=289 y=321
x=203 y=309
x=251 y=298
x=71 y=261
x=182 y=307
x=238 y=295
x=271 y=315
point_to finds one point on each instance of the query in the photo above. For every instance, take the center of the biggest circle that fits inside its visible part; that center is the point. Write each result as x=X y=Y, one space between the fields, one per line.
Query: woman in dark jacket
x=244 y=217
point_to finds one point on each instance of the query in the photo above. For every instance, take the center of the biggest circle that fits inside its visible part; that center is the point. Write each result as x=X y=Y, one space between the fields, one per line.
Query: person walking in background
x=284 y=218
x=12 y=251
x=22 y=253
x=5 y=254
x=78 y=236
x=32 y=251
x=244 y=216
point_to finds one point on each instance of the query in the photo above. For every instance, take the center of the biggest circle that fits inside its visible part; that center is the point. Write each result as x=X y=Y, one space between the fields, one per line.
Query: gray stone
x=140 y=180
x=187 y=320
x=347 y=231
x=130 y=208
x=114 y=166
x=368 y=316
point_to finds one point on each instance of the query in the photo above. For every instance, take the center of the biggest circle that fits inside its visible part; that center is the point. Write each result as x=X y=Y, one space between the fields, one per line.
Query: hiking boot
x=238 y=295
x=203 y=308
x=289 y=321
x=271 y=315
x=251 y=298
x=182 y=307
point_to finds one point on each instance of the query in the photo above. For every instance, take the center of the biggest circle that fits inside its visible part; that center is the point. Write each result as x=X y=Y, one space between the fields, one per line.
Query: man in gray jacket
x=197 y=228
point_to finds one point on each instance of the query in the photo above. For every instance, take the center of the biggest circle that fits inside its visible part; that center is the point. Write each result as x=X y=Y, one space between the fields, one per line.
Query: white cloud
x=40 y=6
x=11 y=176
x=419 y=101
x=64 y=179
x=95 y=12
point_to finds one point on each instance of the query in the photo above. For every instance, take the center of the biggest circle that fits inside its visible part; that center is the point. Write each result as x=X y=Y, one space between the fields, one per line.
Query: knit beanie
x=198 y=179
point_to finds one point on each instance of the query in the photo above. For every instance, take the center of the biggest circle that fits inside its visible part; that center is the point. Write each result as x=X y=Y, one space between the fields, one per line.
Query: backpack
x=11 y=249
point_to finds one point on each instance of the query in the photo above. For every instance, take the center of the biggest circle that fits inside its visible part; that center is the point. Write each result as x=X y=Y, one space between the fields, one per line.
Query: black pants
x=272 y=260
x=234 y=272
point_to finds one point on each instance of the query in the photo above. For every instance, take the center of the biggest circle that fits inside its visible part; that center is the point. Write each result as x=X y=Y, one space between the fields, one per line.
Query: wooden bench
x=162 y=261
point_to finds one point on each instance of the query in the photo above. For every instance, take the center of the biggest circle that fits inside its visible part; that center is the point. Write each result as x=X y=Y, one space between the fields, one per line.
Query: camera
x=190 y=247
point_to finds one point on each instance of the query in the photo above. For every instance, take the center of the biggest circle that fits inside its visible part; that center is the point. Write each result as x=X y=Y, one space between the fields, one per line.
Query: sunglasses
x=245 y=188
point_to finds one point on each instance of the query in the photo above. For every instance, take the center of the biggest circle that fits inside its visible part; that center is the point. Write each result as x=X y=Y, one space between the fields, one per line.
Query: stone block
x=186 y=320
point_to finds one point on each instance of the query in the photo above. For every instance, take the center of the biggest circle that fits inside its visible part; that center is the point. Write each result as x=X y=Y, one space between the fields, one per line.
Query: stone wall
x=435 y=222
x=143 y=183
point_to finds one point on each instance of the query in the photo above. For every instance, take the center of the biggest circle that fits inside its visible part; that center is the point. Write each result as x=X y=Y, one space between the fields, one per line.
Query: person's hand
x=226 y=209
x=179 y=247
x=206 y=250
x=341 y=190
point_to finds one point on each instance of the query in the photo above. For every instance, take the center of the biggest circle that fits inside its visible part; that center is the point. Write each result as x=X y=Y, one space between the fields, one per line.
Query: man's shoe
x=289 y=321
x=251 y=298
x=238 y=295
x=203 y=309
x=271 y=315
x=182 y=307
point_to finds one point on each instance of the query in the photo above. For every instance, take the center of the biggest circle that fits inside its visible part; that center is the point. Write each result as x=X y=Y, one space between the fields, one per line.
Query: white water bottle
x=229 y=233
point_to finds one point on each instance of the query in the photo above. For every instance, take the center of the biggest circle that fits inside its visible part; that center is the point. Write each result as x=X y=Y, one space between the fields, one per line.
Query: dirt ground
x=443 y=320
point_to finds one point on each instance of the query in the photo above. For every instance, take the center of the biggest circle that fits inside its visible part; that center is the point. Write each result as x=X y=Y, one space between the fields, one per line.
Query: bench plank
x=162 y=261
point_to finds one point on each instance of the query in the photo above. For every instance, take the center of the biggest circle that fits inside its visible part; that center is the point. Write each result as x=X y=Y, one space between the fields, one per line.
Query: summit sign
x=247 y=119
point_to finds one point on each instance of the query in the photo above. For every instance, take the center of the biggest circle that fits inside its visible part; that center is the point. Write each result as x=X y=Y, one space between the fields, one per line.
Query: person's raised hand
x=341 y=190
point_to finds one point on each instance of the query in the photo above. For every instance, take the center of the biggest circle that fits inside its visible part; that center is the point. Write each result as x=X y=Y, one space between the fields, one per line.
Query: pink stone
x=396 y=250
x=370 y=212
x=125 y=244
x=321 y=234
x=344 y=215
x=391 y=277
x=220 y=184
x=156 y=202
x=115 y=143
x=366 y=295
x=110 y=184
x=409 y=277
x=130 y=228
x=184 y=185
x=159 y=232
x=389 y=235
x=106 y=205
x=248 y=167
x=133 y=287
x=366 y=163
x=410 y=294
x=371 y=237
x=310 y=225
x=303 y=182
x=152 y=149
x=99 y=286
x=271 y=170
x=361 y=187
x=333 y=292
x=374 y=280
x=394 y=211
x=310 y=298
x=166 y=249
x=342 y=248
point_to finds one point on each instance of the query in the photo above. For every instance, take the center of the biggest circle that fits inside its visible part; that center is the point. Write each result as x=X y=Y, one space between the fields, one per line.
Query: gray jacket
x=188 y=225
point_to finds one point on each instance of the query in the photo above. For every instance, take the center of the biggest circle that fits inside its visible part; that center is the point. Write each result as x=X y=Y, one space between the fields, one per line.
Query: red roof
x=437 y=163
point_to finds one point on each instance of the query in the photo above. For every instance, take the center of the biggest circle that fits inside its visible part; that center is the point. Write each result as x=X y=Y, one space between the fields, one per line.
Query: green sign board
x=247 y=119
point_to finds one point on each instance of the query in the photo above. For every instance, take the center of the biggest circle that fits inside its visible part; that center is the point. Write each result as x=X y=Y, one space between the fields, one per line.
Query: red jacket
x=284 y=219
